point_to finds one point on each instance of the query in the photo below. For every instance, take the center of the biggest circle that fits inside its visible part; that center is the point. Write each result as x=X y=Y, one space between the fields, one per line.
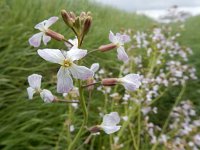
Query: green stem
x=85 y=114
x=168 y=118
x=133 y=138
x=139 y=125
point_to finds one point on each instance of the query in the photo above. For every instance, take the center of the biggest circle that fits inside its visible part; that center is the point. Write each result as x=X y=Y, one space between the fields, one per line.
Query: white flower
x=131 y=82
x=66 y=60
x=110 y=121
x=119 y=40
x=34 y=81
x=94 y=67
x=74 y=42
x=43 y=26
x=47 y=96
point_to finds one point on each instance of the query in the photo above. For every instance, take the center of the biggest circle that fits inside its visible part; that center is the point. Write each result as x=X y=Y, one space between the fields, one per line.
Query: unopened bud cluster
x=79 y=24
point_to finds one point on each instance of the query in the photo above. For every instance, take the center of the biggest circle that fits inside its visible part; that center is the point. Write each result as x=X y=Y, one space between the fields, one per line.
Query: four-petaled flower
x=119 y=40
x=130 y=82
x=43 y=26
x=110 y=121
x=34 y=81
x=66 y=60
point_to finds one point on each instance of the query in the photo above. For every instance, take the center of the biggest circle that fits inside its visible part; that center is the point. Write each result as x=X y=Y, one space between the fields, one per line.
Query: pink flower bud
x=54 y=35
x=107 y=47
x=95 y=129
x=109 y=81
x=87 y=25
x=90 y=81
x=68 y=18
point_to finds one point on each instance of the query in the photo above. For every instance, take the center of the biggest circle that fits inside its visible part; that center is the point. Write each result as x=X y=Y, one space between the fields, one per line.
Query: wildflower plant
x=152 y=64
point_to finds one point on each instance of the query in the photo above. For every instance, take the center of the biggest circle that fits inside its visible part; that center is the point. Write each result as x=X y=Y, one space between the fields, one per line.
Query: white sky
x=133 y=5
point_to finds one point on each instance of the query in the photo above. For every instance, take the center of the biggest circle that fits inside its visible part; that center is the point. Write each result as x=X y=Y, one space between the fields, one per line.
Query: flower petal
x=64 y=81
x=74 y=42
x=80 y=72
x=30 y=92
x=52 y=55
x=47 y=96
x=94 y=67
x=131 y=82
x=125 y=38
x=111 y=119
x=112 y=37
x=110 y=129
x=40 y=26
x=46 y=39
x=35 y=40
x=34 y=81
x=50 y=21
x=76 y=54
x=121 y=54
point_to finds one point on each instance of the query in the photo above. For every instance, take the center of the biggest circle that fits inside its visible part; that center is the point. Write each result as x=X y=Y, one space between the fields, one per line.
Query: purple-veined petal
x=35 y=40
x=47 y=96
x=46 y=39
x=64 y=81
x=30 y=92
x=50 y=21
x=34 y=81
x=111 y=37
x=52 y=55
x=76 y=54
x=80 y=72
x=94 y=67
x=111 y=119
x=121 y=54
x=110 y=129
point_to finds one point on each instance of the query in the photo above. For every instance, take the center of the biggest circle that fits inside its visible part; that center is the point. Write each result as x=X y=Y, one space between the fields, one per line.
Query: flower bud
x=90 y=81
x=68 y=18
x=95 y=129
x=107 y=47
x=54 y=35
x=87 y=25
x=109 y=81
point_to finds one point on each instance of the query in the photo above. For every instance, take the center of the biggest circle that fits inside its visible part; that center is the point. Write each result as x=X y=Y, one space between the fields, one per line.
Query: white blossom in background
x=34 y=81
x=130 y=82
x=110 y=121
x=68 y=67
x=119 y=40
x=71 y=128
x=43 y=26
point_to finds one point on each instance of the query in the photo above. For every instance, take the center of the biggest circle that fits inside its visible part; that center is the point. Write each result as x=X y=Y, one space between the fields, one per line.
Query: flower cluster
x=73 y=72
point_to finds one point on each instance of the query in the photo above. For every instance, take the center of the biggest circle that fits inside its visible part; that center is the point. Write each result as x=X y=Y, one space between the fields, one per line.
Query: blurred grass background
x=32 y=124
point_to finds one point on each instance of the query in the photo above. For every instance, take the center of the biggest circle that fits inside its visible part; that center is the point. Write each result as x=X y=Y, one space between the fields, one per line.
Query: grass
x=32 y=124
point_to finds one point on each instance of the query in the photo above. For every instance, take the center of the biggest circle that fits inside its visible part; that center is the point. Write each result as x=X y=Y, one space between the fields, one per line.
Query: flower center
x=67 y=63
